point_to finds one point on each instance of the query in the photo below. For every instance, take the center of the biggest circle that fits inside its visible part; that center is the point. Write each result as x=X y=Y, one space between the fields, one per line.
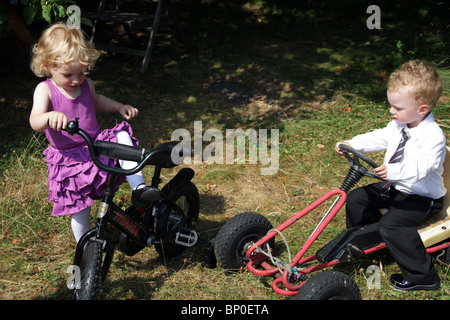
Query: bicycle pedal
x=186 y=237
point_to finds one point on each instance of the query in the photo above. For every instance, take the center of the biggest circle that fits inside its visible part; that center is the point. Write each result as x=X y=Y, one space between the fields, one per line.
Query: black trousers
x=398 y=227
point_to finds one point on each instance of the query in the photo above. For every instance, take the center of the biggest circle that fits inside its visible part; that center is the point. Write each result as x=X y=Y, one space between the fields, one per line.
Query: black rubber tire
x=329 y=285
x=236 y=235
x=90 y=271
x=164 y=224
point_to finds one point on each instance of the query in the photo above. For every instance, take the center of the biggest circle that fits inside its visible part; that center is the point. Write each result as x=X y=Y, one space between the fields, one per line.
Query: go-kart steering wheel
x=354 y=161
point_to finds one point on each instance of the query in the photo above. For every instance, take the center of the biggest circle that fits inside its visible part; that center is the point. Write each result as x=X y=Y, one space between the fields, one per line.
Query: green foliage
x=49 y=10
x=35 y=10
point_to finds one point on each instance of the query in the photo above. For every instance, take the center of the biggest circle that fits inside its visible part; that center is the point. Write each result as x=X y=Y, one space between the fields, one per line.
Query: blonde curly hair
x=424 y=83
x=60 y=44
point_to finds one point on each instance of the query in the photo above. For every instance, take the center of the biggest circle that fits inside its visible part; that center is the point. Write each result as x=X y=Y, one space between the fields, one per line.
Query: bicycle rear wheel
x=170 y=221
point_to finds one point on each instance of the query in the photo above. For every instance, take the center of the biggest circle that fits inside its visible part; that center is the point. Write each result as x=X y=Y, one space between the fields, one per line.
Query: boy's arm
x=373 y=141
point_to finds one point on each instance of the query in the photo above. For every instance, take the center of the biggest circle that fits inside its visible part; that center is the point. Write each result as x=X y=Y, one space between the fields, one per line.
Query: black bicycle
x=167 y=221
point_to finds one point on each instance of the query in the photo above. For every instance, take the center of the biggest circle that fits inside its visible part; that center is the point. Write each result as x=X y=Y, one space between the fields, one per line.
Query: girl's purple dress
x=74 y=180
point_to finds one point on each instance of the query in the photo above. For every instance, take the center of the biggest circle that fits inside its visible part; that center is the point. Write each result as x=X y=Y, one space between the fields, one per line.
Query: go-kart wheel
x=329 y=285
x=234 y=238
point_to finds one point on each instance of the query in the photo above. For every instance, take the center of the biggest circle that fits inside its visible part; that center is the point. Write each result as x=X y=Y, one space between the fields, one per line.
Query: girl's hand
x=381 y=171
x=128 y=112
x=57 y=120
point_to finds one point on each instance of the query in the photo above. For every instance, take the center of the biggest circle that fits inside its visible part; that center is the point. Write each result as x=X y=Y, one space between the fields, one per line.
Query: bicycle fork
x=99 y=233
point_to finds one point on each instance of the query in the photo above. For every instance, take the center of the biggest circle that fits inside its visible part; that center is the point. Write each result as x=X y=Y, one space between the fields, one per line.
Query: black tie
x=396 y=158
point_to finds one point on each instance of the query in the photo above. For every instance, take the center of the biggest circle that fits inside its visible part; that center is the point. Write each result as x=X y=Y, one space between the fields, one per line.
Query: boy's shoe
x=143 y=195
x=399 y=283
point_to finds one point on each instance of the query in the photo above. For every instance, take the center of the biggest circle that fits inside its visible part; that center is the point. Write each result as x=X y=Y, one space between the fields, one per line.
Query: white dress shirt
x=420 y=171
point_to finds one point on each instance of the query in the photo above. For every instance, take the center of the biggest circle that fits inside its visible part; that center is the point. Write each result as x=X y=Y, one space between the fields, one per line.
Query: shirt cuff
x=393 y=171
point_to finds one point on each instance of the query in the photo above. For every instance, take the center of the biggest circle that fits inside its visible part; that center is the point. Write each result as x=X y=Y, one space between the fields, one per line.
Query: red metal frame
x=257 y=259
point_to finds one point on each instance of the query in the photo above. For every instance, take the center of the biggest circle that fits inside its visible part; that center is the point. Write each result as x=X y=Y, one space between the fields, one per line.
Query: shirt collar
x=417 y=131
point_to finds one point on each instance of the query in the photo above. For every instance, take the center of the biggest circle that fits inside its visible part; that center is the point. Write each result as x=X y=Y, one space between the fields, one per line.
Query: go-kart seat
x=437 y=229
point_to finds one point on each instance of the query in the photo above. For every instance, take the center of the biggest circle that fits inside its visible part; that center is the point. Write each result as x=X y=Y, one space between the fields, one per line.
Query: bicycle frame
x=109 y=212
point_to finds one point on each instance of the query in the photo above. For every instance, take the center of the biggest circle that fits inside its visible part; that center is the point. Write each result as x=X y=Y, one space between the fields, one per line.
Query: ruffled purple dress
x=74 y=181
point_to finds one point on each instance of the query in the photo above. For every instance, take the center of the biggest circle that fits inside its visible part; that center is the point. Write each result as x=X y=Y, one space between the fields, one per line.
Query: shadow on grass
x=295 y=52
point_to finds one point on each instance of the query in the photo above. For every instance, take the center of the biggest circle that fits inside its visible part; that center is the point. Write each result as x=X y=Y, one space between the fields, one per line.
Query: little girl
x=64 y=55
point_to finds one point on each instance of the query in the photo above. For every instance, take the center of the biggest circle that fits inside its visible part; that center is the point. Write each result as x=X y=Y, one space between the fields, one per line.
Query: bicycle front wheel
x=91 y=267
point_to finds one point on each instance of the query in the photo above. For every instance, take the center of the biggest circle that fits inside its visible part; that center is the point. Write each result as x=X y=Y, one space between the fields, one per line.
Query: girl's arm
x=103 y=103
x=40 y=118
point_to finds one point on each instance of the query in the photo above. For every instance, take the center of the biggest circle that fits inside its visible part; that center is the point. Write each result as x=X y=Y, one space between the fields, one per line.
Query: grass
x=322 y=76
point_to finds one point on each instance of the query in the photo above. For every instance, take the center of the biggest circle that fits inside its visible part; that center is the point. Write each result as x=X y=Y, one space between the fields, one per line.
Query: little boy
x=413 y=189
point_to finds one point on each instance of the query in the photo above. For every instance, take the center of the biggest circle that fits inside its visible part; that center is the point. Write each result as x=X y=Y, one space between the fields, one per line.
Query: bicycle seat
x=162 y=155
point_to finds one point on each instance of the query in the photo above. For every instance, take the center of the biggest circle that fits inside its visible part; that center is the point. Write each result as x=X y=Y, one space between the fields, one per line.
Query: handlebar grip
x=119 y=151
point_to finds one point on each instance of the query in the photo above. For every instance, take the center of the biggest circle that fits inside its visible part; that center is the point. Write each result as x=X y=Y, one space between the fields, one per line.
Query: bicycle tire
x=90 y=271
x=164 y=225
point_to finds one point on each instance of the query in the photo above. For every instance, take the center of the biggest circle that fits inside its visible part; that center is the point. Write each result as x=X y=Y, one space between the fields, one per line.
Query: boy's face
x=405 y=108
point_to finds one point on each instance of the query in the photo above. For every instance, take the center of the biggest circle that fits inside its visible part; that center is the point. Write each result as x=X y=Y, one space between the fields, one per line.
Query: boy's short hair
x=426 y=85
x=60 y=44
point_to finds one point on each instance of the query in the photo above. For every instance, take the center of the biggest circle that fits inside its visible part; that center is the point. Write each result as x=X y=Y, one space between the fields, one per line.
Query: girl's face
x=405 y=109
x=68 y=76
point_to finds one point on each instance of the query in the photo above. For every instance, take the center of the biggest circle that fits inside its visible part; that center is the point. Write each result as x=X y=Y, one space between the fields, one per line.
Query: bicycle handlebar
x=114 y=150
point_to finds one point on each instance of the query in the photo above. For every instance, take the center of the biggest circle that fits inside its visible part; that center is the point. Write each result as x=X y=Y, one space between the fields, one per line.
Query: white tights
x=80 y=221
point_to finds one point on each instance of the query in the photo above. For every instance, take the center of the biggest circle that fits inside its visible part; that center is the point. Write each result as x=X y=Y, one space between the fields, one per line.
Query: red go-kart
x=248 y=240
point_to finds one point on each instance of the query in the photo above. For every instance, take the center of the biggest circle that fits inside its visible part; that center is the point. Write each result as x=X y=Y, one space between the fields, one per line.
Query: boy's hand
x=340 y=151
x=381 y=171
x=128 y=112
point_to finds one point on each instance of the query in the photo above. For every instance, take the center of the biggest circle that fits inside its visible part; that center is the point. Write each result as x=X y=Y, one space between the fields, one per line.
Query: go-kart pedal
x=350 y=243
x=143 y=195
